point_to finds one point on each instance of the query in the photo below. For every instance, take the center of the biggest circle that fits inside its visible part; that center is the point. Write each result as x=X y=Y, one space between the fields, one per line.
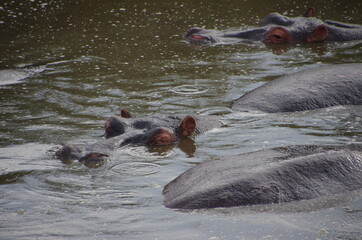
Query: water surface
x=66 y=66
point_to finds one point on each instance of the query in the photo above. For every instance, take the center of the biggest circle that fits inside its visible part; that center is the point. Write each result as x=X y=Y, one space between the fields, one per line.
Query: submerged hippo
x=276 y=28
x=124 y=130
x=268 y=176
x=306 y=90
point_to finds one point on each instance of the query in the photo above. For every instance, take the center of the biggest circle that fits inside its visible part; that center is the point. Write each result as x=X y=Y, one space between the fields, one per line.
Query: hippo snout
x=192 y=31
x=199 y=36
x=69 y=152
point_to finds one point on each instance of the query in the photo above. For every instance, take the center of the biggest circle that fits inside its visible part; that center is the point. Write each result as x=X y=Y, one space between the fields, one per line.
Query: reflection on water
x=66 y=66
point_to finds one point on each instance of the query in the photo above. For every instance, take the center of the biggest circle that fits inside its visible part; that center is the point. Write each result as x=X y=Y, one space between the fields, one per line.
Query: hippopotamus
x=309 y=89
x=277 y=175
x=277 y=28
x=125 y=130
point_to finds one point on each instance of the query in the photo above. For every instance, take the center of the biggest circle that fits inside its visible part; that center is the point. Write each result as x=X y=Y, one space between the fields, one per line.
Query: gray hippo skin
x=276 y=28
x=268 y=176
x=124 y=130
x=306 y=90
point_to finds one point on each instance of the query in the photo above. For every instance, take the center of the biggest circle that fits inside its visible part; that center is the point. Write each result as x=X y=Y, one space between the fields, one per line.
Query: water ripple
x=189 y=89
x=150 y=153
x=136 y=168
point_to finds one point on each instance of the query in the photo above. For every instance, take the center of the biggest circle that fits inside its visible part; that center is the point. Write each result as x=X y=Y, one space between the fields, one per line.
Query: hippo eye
x=277 y=36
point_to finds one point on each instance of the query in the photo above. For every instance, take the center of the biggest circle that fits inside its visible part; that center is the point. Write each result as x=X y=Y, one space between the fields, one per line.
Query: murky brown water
x=66 y=66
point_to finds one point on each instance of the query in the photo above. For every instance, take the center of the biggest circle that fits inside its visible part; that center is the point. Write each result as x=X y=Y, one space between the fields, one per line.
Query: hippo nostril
x=192 y=31
x=200 y=37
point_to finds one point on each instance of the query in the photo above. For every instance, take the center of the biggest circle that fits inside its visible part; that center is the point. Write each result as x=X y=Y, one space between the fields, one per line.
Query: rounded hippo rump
x=306 y=90
x=268 y=176
x=277 y=28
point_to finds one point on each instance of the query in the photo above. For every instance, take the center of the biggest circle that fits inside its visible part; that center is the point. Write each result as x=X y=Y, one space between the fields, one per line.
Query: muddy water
x=66 y=66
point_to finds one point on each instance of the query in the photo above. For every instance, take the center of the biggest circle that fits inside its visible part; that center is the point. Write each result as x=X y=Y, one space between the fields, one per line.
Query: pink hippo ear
x=124 y=113
x=187 y=127
x=277 y=35
x=318 y=35
x=310 y=12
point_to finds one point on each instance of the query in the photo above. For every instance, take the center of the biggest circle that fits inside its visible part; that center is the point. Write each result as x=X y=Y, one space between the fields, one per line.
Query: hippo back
x=306 y=90
x=268 y=176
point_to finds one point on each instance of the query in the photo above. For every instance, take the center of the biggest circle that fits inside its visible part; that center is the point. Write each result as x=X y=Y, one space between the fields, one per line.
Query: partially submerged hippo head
x=154 y=131
x=294 y=30
x=277 y=28
x=124 y=130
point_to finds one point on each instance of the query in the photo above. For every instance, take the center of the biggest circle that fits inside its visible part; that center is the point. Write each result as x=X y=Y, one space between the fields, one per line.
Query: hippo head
x=149 y=131
x=294 y=30
x=277 y=28
x=125 y=130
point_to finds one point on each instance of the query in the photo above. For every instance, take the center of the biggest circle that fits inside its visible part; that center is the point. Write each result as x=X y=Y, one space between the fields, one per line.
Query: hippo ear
x=125 y=114
x=187 y=126
x=310 y=12
x=114 y=126
x=318 y=35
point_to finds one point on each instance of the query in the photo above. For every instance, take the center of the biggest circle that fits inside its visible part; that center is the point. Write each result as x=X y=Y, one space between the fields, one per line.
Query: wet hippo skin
x=276 y=28
x=268 y=176
x=306 y=90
